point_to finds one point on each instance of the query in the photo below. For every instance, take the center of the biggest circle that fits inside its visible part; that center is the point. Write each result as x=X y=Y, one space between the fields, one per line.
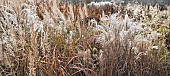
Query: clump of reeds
x=51 y=38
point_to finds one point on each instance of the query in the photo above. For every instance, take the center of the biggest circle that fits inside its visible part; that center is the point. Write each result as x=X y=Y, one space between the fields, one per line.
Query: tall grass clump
x=51 y=38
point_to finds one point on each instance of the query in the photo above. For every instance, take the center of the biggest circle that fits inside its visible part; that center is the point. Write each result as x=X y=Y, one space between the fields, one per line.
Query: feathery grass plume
x=81 y=13
x=71 y=12
x=57 y=11
x=85 y=10
x=168 y=9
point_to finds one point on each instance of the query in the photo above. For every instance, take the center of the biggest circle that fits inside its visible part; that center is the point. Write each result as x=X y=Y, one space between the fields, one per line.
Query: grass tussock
x=49 y=38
